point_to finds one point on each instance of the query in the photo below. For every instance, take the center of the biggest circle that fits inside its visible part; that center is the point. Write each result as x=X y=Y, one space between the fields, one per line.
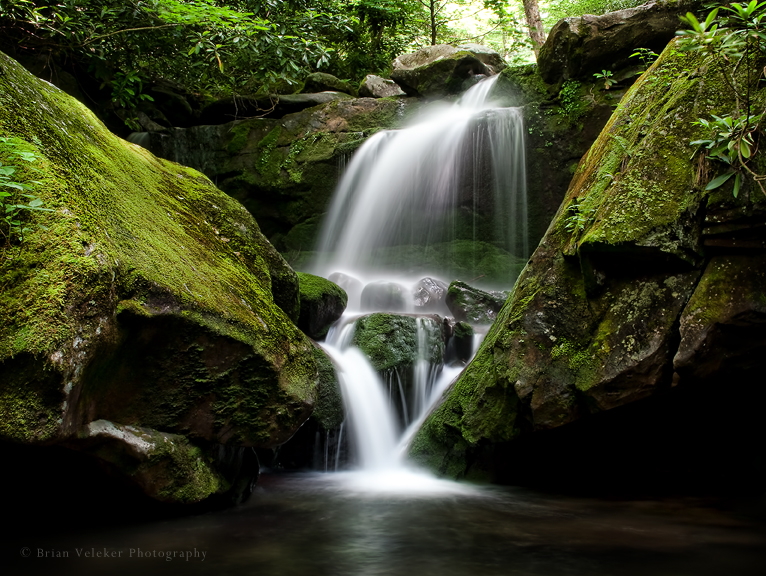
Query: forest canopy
x=255 y=46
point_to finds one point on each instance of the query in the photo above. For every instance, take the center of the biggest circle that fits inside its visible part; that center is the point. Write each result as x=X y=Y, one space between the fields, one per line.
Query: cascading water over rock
x=414 y=187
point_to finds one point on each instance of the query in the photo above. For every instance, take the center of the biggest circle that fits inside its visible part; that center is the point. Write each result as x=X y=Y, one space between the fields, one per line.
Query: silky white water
x=405 y=187
x=413 y=187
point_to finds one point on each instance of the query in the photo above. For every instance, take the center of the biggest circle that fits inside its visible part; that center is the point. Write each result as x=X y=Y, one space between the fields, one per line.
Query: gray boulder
x=436 y=71
x=579 y=47
x=377 y=87
x=429 y=294
x=383 y=295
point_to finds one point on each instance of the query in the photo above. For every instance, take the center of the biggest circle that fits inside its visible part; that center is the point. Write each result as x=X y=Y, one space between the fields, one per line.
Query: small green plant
x=734 y=41
x=16 y=199
x=729 y=140
x=607 y=77
x=578 y=217
x=646 y=55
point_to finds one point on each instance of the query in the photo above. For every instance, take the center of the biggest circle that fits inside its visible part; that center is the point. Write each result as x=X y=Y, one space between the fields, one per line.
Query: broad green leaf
x=719 y=181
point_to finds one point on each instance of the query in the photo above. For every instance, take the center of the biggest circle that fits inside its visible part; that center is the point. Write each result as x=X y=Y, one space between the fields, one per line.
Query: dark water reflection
x=310 y=524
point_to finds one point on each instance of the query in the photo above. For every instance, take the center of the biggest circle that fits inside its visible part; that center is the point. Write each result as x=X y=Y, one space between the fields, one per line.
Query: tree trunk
x=536 y=31
x=433 y=22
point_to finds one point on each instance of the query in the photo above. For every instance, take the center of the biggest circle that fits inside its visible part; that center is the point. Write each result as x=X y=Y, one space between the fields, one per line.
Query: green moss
x=314 y=288
x=239 y=137
x=388 y=340
x=270 y=160
x=133 y=235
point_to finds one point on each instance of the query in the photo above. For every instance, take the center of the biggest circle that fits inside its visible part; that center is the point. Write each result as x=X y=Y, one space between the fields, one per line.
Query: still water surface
x=346 y=524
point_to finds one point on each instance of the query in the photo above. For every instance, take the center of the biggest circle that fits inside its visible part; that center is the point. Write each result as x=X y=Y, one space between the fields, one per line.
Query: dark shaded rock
x=429 y=294
x=436 y=71
x=579 y=47
x=166 y=467
x=384 y=295
x=462 y=341
x=329 y=412
x=322 y=303
x=592 y=324
x=377 y=87
x=166 y=313
x=321 y=82
x=723 y=325
x=270 y=106
x=470 y=304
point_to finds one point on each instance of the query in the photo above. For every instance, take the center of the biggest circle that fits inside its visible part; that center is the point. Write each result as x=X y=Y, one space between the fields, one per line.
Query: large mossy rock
x=579 y=47
x=644 y=286
x=322 y=303
x=436 y=71
x=282 y=170
x=151 y=299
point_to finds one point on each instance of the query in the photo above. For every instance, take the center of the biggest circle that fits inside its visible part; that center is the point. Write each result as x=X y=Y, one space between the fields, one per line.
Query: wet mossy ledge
x=632 y=345
x=150 y=299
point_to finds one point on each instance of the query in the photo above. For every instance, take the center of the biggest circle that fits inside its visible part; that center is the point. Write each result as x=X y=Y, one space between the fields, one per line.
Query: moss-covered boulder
x=436 y=71
x=150 y=298
x=322 y=303
x=637 y=250
x=322 y=82
x=282 y=170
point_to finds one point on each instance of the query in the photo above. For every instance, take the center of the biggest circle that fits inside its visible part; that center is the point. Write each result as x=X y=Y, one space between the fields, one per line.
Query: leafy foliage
x=734 y=35
x=646 y=55
x=16 y=199
x=575 y=8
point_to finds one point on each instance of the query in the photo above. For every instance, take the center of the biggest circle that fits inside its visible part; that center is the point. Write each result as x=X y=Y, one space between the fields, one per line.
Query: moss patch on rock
x=136 y=245
x=592 y=323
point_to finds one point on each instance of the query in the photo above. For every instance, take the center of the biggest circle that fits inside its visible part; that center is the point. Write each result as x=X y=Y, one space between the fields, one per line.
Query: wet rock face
x=472 y=305
x=322 y=303
x=436 y=71
x=429 y=294
x=579 y=47
x=646 y=293
x=171 y=311
x=283 y=170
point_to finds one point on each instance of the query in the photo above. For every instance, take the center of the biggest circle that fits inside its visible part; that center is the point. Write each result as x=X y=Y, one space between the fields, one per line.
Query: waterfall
x=412 y=186
x=371 y=403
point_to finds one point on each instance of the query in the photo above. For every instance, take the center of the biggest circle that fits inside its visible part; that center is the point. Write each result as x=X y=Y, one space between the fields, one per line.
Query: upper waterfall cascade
x=418 y=185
